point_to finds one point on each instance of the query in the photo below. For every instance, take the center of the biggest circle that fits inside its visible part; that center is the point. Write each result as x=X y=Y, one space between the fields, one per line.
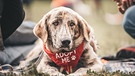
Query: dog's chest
x=66 y=60
x=81 y=62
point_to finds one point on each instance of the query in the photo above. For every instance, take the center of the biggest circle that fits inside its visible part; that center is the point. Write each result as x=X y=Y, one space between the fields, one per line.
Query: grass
x=33 y=72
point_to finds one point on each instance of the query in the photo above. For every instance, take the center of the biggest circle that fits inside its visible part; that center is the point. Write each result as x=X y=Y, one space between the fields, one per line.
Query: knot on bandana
x=66 y=60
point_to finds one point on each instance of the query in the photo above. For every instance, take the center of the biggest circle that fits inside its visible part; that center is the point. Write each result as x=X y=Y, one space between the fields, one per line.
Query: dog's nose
x=66 y=43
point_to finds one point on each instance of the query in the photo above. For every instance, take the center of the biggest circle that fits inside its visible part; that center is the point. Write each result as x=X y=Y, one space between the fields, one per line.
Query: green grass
x=33 y=72
x=109 y=37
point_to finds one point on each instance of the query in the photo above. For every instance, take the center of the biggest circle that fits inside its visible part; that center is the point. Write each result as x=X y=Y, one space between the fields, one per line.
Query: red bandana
x=66 y=60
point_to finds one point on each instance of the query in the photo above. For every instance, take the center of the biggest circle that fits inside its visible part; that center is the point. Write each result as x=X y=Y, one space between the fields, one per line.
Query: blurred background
x=102 y=15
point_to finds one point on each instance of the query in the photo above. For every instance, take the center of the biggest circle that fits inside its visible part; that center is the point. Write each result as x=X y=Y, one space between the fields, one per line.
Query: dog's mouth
x=64 y=46
x=65 y=49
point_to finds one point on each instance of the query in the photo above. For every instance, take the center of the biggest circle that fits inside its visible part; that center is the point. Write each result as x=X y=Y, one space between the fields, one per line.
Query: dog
x=68 y=43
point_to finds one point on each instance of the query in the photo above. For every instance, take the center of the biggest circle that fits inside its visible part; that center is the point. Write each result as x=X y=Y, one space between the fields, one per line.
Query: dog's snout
x=66 y=43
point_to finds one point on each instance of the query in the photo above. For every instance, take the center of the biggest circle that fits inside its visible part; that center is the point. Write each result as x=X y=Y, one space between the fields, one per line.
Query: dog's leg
x=97 y=66
x=45 y=68
x=92 y=62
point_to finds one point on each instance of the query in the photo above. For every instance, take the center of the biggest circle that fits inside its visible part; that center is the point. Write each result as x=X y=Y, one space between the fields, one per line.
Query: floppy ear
x=86 y=29
x=94 y=43
x=40 y=30
x=88 y=33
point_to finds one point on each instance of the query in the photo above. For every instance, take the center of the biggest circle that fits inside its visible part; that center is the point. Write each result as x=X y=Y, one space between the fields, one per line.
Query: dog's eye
x=72 y=23
x=56 y=23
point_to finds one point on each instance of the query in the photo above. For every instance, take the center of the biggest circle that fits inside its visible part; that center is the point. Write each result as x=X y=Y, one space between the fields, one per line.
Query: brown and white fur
x=63 y=30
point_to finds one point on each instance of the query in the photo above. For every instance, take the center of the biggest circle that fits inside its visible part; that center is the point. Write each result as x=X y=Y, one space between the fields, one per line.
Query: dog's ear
x=87 y=30
x=93 y=43
x=88 y=33
x=40 y=29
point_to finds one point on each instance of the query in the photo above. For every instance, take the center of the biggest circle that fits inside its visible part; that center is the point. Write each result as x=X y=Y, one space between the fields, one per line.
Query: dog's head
x=63 y=29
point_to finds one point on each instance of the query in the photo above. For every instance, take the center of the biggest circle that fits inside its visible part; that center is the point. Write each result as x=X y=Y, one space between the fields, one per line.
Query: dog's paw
x=56 y=74
x=77 y=74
